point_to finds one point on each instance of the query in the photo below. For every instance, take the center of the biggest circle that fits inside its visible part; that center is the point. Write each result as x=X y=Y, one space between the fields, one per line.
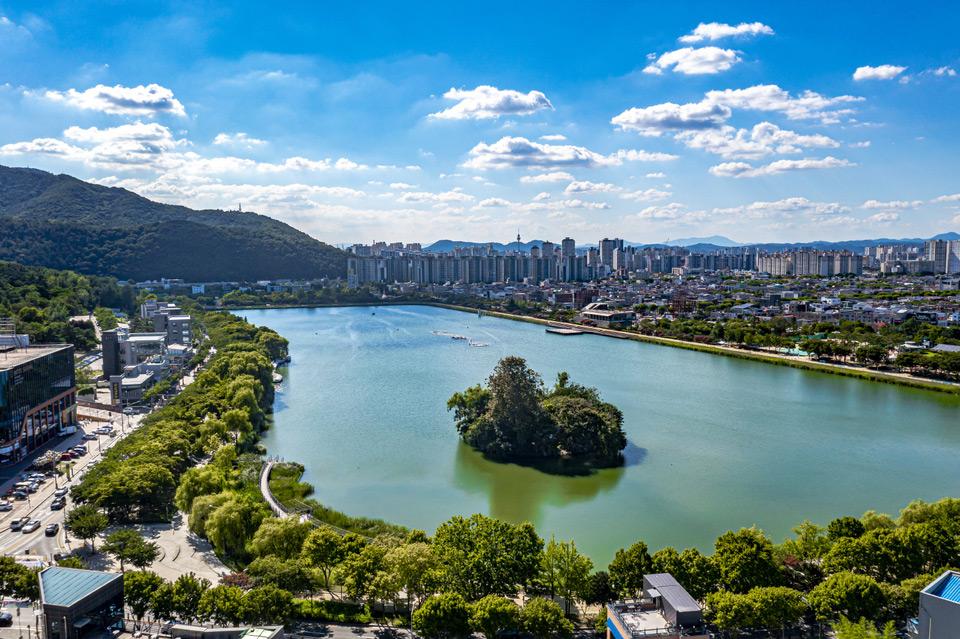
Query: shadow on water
x=518 y=493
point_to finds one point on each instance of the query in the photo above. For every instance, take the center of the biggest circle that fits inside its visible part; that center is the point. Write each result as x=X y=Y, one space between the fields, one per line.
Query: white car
x=31 y=525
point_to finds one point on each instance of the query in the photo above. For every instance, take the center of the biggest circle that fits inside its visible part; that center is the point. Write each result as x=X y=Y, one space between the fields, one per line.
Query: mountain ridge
x=59 y=221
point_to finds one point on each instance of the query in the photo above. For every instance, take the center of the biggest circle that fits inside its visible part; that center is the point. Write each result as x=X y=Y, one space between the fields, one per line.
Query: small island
x=515 y=418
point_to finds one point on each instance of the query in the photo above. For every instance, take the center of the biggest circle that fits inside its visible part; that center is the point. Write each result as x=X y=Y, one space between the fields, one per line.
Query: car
x=31 y=525
x=79 y=450
x=51 y=530
x=66 y=456
x=58 y=504
x=38 y=478
x=6 y=619
x=20 y=495
x=5 y=506
x=33 y=487
x=89 y=436
x=17 y=524
x=61 y=492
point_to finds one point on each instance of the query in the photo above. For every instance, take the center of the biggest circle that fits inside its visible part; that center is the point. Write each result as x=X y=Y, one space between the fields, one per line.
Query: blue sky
x=420 y=121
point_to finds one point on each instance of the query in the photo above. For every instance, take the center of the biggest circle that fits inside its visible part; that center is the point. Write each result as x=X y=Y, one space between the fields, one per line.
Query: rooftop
x=16 y=357
x=65 y=586
x=947 y=586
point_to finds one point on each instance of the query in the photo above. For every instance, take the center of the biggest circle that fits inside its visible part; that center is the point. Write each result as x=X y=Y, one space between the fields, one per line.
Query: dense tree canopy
x=514 y=418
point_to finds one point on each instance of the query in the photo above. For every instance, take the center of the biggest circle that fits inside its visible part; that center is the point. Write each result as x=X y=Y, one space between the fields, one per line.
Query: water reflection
x=518 y=493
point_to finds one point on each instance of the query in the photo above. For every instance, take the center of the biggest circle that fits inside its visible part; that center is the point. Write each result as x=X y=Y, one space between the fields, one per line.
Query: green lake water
x=716 y=443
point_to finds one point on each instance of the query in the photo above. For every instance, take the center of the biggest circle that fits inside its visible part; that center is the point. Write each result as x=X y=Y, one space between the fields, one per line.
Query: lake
x=716 y=443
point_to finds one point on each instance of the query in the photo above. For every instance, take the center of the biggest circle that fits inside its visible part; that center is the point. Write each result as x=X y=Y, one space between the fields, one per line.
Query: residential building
x=37 y=396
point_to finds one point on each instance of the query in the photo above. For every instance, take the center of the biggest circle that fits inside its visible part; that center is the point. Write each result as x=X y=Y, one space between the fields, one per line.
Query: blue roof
x=65 y=586
x=949 y=588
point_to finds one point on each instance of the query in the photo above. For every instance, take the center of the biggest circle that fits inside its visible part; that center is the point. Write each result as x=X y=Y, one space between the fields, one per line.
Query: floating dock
x=556 y=330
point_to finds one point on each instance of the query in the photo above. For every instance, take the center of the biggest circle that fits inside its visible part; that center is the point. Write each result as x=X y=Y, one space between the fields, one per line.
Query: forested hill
x=61 y=222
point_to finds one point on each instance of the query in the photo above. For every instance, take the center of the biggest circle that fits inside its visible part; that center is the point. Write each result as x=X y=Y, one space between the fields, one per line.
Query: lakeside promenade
x=887 y=377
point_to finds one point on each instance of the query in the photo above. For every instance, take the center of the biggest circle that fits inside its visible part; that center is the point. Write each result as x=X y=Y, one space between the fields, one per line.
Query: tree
x=493 y=615
x=282 y=537
x=777 y=606
x=138 y=590
x=443 y=616
x=127 y=545
x=564 y=570
x=698 y=573
x=290 y=574
x=324 y=550
x=863 y=629
x=745 y=560
x=849 y=595
x=266 y=605
x=628 y=568
x=730 y=610
x=544 y=619
x=597 y=589
x=231 y=525
x=483 y=556
x=18 y=581
x=186 y=594
x=86 y=522
x=845 y=527
x=357 y=572
x=162 y=602
x=414 y=569
x=223 y=605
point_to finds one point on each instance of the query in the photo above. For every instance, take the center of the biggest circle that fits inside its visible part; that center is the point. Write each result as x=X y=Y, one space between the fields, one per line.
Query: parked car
x=6 y=619
x=17 y=524
x=66 y=456
x=33 y=487
x=79 y=450
x=51 y=530
x=20 y=495
x=89 y=436
x=5 y=506
x=61 y=492
x=31 y=525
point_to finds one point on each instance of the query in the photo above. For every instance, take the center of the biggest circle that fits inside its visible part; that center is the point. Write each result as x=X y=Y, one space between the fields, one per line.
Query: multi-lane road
x=36 y=543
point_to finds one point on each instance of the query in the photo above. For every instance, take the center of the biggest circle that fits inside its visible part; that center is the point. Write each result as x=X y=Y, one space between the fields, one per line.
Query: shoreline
x=715 y=349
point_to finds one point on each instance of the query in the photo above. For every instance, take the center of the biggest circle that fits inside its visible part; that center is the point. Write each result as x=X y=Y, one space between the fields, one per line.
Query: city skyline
x=759 y=123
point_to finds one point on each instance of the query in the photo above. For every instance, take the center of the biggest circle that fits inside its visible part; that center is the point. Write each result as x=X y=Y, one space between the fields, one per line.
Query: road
x=38 y=505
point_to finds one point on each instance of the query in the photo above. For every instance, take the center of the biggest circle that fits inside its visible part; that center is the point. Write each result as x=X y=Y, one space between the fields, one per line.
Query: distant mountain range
x=61 y=222
x=707 y=244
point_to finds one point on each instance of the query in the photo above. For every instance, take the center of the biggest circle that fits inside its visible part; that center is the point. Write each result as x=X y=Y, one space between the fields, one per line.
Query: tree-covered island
x=516 y=418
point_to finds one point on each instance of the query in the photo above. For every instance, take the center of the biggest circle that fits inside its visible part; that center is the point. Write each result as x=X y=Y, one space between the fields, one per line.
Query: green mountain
x=61 y=222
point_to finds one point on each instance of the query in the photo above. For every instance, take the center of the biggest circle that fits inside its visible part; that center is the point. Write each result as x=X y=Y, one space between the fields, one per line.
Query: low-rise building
x=665 y=611
x=940 y=608
x=76 y=603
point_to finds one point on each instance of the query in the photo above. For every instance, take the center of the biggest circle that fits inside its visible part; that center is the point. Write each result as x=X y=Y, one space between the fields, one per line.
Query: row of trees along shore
x=199 y=454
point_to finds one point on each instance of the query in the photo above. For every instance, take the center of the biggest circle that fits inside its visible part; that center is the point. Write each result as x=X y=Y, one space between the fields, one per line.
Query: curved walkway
x=275 y=505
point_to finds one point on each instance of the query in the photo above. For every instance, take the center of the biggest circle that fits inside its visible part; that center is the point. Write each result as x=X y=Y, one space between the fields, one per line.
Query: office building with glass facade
x=38 y=396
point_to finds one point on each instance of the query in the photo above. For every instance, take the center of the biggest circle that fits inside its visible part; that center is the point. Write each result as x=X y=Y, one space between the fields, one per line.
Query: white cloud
x=718 y=31
x=785 y=208
x=891 y=204
x=884 y=218
x=670 y=211
x=882 y=72
x=656 y=175
x=946 y=198
x=694 y=61
x=865 y=144
x=585 y=186
x=553 y=137
x=646 y=195
x=486 y=102
x=941 y=72
x=453 y=195
x=492 y=202
x=809 y=105
x=238 y=140
x=744 y=170
x=554 y=176
x=669 y=116
x=518 y=152
x=540 y=197
x=142 y=100
x=763 y=139
x=402 y=186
